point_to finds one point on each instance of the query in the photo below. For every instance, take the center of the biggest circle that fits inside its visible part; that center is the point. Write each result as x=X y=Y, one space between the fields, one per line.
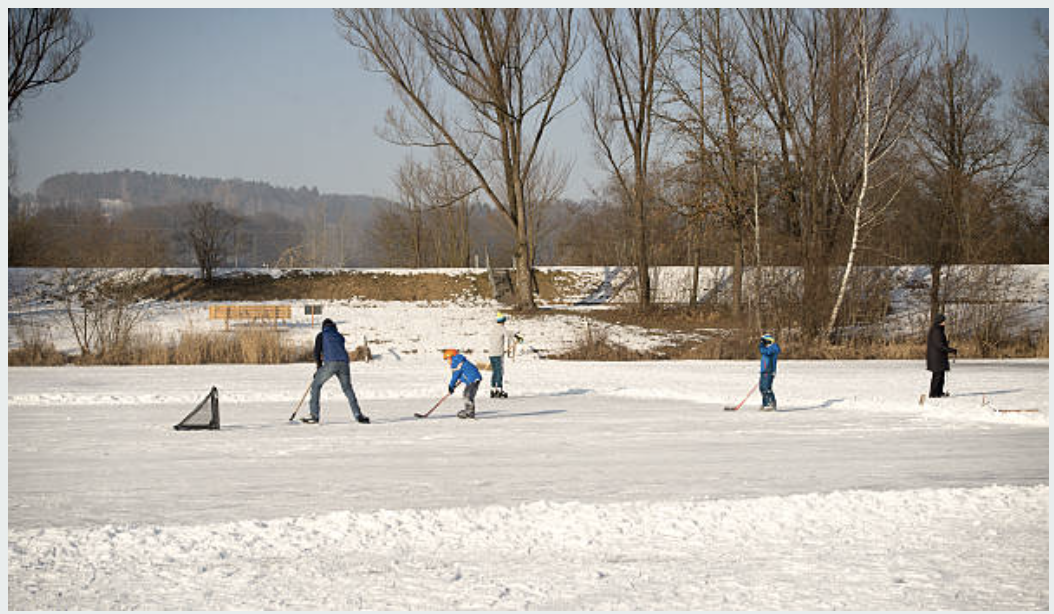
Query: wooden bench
x=253 y=313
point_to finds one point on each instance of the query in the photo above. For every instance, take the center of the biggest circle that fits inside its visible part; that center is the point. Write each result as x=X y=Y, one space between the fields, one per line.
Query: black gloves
x=450 y=389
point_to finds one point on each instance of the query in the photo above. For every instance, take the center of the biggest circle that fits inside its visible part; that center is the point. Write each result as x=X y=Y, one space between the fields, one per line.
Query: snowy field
x=398 y=330
x=596 y=486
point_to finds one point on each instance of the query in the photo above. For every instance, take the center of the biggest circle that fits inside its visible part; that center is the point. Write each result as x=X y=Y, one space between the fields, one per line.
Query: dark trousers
x=937 y=385
x=470 y=395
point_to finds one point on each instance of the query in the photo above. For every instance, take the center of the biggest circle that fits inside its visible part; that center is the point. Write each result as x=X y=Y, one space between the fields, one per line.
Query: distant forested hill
x=138 y=189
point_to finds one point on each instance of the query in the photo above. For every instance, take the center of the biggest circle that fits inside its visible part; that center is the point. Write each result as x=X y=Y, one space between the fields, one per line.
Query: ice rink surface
x=595 y=486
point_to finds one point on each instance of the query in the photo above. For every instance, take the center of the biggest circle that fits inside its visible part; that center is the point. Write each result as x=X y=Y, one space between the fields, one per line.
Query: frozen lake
x=596 y=486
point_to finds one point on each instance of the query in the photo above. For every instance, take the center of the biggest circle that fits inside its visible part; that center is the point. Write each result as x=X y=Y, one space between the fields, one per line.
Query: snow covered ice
x=596 y=486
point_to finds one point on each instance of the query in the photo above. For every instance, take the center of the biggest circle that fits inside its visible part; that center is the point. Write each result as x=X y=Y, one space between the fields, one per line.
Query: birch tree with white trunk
x=886 y=68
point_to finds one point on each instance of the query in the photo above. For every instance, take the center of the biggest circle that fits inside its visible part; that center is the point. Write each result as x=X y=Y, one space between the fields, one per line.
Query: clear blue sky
x=278 y=96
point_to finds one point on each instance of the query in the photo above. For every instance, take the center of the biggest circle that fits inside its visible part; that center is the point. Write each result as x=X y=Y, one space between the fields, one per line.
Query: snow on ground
x=395 y=330
x=596 y=486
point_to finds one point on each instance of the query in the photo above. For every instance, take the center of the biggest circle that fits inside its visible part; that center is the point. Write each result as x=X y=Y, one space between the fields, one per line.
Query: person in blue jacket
x=770 y=351
x=332 y=359
x=463 y=371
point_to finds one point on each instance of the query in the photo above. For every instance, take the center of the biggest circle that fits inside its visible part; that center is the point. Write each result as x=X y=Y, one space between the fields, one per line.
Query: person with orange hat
x=463 y=371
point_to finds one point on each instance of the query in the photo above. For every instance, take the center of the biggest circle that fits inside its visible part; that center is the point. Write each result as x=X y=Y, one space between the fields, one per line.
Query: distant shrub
x=35 y=349
x=594 y=344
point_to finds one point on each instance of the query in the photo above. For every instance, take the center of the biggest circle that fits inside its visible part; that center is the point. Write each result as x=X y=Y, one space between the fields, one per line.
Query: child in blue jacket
x=770 y=351
x=464 y=371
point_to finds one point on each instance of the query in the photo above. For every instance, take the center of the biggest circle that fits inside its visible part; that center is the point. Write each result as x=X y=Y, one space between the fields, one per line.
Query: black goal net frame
x=204 y=417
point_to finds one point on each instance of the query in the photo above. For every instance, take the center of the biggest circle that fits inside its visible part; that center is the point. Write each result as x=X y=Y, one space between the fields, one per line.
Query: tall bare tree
x=712 y=111
x=43 y=48
x=807 y=81
x=1032 y=106
x=888 y=72
x=484 y=84
x=410 y=183
x=1032 y=93
x=622 y=102
x=967 y=152
x=209 y=231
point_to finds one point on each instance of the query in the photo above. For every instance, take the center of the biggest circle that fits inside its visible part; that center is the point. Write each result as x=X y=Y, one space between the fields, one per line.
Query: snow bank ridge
x=693 y=555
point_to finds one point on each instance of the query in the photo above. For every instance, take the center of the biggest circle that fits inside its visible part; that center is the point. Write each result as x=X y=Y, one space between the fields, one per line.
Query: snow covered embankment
x=921 y=549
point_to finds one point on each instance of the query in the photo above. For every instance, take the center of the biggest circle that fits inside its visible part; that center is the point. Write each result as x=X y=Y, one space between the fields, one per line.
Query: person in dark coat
x=332 y=359
x=937 y=350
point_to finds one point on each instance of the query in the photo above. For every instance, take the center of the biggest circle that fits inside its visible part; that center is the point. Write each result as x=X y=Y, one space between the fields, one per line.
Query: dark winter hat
x=939 y=319
x=327 y=323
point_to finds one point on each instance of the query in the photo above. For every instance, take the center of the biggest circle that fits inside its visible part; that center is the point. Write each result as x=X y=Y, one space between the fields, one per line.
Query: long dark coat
x=937 y=349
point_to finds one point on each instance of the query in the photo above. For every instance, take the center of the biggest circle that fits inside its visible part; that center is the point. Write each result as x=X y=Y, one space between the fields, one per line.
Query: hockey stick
x=429 y=412
x=736 y=408
x=293 y=417
x=985 y=402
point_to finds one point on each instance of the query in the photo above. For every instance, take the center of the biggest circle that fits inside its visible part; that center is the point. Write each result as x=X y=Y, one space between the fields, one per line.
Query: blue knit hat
x=501 y=317
x=768 y=338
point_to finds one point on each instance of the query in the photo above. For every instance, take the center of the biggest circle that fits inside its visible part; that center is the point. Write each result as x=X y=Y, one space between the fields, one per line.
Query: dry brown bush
x=35 y=349
x=594 y=344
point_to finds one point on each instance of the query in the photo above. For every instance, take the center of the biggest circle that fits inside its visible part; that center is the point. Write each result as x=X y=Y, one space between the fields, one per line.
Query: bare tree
x=622 y=102
x=1032 y=106
x=806 y=80
x=209 y=232
x=888 y=74
x=967 y=154
x=450 y=190
x=543 y=189
x=99 y=305
x=43 y=48
x=506 y=68
x=410 y=184
x=1032 y=93
x=710 y=65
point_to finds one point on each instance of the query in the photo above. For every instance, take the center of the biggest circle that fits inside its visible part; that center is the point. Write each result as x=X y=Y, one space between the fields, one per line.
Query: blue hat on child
x=768 y=338
x=501 y=317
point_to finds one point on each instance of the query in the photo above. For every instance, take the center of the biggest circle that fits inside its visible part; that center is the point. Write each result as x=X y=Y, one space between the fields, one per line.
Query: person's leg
x=497 y=372
x=470 y=400
x=321 y=375
x=937 y=384
x=344 y=375
x=765 y=387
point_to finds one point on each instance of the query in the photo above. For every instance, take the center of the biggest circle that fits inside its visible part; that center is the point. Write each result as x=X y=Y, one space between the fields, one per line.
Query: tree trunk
x=522 y=258
x=757 y=253
x=693 y=300
x=737 y=273
x=643 y=268
x=815 y=290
